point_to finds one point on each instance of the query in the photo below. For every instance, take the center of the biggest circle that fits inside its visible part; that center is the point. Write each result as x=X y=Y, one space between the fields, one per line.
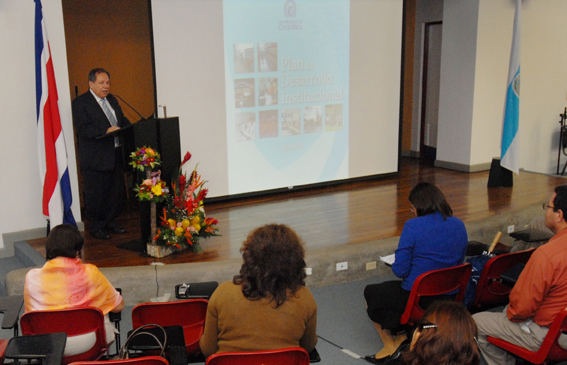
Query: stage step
x=24 y=256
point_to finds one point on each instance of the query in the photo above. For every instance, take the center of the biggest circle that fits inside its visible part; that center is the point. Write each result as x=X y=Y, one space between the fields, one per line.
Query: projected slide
x=287 y=92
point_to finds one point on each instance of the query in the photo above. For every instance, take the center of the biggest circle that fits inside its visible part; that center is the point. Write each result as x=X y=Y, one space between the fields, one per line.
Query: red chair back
x=146 y=360
x=550 y=350
x=490 y=291
x=190 y=314
x=76 y=321
x=436 y=282
x=3 y=345
x=287 y=356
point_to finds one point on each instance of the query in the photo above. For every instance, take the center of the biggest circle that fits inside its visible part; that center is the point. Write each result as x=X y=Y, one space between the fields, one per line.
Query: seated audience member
x=266 y=306
x=65 y=282
x=445 y=335
x=433 y=240
x=538 y=296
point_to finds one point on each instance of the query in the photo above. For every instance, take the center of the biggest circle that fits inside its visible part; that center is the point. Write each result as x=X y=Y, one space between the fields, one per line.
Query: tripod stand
x=562 y=141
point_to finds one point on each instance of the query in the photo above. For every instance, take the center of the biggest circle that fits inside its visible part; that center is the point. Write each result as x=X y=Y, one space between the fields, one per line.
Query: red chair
x=490 y=292
x=146 y=360
x=10 y=308
x=550 y=351
x=73 y=322
x=436 y=282
x=3 y=344
x=190 y=314
x=288 y=356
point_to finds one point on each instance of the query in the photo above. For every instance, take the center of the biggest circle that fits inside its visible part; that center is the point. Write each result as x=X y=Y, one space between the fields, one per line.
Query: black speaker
x=499 y=177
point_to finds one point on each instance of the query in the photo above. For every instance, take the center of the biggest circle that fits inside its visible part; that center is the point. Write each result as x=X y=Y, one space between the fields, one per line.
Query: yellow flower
x=157 y=190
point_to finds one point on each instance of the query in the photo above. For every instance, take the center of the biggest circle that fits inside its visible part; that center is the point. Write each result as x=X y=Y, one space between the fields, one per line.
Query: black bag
x=125 y=350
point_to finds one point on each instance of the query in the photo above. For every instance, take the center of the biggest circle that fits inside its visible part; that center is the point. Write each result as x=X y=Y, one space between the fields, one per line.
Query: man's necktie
x=111 y=118
x=108 y=113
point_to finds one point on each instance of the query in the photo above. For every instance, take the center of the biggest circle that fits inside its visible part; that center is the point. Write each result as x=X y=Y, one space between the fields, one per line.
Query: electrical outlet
x=308 y=271
x=371 y=265
x=342 y=266
x=511 y=229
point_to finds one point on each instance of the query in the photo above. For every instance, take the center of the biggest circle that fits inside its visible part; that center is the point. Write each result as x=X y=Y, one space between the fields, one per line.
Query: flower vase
x=160 y=251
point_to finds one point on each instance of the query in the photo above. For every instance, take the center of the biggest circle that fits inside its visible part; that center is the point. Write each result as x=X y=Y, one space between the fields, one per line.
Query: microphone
x=131 y=107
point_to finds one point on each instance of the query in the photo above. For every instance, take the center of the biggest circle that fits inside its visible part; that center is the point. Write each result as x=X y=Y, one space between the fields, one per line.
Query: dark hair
x=560 y=201
x=451 y=342
x=64 y=240
x=95 y=71
x=273 y=264
x=428 y=199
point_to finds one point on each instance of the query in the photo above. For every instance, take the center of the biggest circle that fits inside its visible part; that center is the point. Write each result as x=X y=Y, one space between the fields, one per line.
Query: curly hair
x=451 y=342
x=273 y=264
x=64 y=240
x=428 y=199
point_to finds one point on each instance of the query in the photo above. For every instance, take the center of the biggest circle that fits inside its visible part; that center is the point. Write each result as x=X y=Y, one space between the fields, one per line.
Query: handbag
x=124 y=352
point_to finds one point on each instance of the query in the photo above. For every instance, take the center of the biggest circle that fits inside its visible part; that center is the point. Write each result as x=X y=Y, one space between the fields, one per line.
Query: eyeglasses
x=546 y=207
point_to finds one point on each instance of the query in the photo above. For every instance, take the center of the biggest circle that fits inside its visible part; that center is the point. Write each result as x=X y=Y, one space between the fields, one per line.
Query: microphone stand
x=131 y=107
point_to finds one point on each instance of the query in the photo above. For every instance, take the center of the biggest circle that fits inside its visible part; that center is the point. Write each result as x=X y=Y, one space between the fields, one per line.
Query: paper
x=388 y=260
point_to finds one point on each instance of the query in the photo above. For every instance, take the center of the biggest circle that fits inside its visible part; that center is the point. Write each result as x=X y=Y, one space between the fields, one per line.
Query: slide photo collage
x=261 y=94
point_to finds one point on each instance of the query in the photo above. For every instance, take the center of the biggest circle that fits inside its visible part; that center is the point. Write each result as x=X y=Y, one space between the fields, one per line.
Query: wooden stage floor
x=341 y=215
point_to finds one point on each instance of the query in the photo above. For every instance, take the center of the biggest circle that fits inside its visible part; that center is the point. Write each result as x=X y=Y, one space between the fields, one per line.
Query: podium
x=162 y=135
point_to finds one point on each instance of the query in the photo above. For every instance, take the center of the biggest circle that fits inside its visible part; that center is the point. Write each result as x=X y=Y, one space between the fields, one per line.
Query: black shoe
x=115 y=228
x=373 y=360
x=100 y=235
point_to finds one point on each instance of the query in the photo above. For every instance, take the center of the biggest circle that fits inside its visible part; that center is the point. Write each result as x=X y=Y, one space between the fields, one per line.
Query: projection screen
x=281 y=93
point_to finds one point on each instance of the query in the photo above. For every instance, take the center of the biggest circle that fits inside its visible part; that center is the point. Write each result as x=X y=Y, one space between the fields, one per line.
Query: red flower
x=182 y=182
x=193 y=176
x=202 y=194
x=211 y=221
x=186 y=158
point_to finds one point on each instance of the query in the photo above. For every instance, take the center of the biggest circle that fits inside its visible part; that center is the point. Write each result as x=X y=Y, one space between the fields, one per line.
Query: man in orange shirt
x=538 y=296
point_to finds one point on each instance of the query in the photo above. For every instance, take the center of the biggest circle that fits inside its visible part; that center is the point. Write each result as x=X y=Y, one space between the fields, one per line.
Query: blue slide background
x=270 y=42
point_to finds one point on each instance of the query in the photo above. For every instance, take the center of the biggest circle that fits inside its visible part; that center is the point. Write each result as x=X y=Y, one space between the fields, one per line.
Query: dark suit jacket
x=91 y=122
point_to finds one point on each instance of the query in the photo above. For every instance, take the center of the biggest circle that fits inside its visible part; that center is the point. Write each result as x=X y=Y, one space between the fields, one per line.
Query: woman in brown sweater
x=266 y=306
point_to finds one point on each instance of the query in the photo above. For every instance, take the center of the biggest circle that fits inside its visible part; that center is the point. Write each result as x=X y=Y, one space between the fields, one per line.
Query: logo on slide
x=290 y=9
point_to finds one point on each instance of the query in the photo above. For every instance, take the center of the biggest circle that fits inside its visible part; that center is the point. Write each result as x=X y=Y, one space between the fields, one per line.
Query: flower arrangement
x=153 y=189
x=184 y=221
x=144 y=157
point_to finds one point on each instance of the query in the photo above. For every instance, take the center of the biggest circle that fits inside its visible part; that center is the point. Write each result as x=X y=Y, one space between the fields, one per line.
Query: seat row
x=191 y=314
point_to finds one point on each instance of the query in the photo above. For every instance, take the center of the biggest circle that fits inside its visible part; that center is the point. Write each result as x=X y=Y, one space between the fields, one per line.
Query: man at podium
x=98 y=120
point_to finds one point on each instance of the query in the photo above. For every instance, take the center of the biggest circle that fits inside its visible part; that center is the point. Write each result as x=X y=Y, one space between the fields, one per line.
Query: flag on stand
x=510 y=158
x=52 y=153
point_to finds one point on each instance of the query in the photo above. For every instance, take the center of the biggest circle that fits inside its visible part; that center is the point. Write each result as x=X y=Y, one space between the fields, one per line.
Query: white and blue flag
x=510 y=158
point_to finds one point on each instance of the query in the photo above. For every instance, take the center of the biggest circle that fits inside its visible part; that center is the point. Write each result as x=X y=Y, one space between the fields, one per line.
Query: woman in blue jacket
x=433 y=240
